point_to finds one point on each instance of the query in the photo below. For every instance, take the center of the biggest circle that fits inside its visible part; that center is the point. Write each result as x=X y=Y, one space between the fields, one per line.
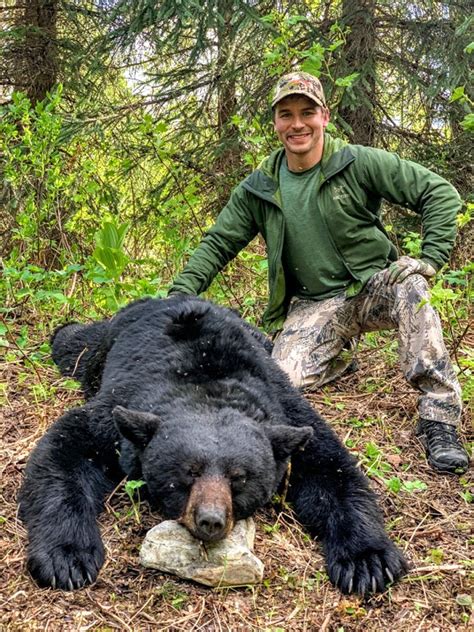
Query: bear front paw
x=367 y=571
x=66 y=566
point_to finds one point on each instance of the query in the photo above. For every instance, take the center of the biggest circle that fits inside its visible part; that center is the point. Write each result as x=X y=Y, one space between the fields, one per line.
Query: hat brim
x=302 y=93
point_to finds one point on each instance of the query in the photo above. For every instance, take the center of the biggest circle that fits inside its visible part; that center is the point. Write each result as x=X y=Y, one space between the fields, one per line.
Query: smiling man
x=299 y=123
x=333 y=272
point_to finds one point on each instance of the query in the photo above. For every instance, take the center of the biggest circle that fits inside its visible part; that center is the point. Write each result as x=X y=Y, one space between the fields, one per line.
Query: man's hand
x=403 y=267
x=398 y=272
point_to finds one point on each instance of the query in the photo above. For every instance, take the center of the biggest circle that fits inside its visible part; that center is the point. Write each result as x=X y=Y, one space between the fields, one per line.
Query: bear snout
x=210 y=522
x=208 y=513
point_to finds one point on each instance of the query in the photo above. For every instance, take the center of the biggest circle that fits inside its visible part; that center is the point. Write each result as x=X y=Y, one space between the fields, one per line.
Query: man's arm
x=409 y=184
x=235 y=227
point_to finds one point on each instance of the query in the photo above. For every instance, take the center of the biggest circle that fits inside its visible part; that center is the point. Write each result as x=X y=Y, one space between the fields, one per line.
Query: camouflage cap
x=299 y=83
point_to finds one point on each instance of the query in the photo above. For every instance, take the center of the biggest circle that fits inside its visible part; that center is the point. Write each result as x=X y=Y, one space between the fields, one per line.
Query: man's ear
x=136 y=426
x=287 y=439
x=326 y=117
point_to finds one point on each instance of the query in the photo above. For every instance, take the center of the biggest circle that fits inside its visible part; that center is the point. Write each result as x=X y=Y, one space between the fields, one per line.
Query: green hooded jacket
x=353 y=181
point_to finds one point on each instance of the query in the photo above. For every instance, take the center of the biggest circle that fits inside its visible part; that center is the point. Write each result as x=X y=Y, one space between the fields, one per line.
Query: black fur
x=195 y=392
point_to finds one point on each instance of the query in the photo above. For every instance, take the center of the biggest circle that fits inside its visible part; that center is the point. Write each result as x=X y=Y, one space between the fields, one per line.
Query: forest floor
x=373 y=411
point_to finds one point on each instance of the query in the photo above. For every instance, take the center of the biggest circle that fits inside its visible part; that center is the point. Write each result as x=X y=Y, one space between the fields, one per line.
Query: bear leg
x=80 y=352
x=60 y=498
x=333 y=499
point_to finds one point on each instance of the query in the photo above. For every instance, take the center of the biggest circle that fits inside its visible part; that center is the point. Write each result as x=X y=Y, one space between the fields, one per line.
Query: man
x=333 y=272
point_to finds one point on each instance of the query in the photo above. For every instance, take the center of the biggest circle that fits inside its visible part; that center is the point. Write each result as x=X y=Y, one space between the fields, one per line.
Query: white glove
x=403 y=267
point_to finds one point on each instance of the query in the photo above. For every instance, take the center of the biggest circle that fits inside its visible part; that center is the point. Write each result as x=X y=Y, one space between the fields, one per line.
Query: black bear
x=185 y=395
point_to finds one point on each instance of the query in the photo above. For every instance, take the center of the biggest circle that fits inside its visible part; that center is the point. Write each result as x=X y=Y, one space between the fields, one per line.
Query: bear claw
x=369 y=574
x=66 y=567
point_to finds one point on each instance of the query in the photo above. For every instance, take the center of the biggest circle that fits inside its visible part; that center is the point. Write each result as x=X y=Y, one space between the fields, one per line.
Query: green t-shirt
x=313 y=268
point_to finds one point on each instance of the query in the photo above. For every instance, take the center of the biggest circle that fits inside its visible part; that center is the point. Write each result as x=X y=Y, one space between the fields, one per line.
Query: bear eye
x=238 y=478
x=194 y=471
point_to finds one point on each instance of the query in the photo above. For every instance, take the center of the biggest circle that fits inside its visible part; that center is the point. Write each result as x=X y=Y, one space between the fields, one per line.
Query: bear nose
x=210 y=523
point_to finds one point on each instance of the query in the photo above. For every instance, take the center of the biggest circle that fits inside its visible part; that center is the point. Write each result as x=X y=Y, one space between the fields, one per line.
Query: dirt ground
x=373 y=410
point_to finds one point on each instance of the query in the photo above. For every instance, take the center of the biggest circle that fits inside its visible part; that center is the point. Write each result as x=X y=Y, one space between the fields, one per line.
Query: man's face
x=299 y=124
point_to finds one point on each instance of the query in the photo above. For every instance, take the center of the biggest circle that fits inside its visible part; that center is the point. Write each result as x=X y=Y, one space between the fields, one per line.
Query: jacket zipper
x=270 y=199
x=328 y=230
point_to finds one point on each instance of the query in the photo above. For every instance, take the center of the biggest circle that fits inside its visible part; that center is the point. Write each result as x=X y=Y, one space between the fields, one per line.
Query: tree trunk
x=357 y=107
x=35 y=62
x=228 y=151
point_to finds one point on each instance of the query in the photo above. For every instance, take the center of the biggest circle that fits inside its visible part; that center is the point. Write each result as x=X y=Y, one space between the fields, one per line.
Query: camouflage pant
x=314 y=345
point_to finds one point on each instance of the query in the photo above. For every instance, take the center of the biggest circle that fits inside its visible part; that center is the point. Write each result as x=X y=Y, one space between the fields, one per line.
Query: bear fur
x=184 y=394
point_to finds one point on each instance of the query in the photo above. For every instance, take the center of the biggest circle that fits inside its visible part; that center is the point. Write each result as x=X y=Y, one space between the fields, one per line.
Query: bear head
x=208 y=469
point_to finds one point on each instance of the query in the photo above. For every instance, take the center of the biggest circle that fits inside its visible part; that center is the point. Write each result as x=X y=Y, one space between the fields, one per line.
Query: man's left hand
x=403 y=267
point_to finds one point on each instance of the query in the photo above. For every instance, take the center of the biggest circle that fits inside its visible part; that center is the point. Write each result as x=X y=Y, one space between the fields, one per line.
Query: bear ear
x=136 y=426
x=287 y=439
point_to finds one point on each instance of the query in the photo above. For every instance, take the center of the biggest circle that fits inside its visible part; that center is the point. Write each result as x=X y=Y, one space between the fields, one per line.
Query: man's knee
x=415 y=284
x=291 y=366
x=412 y=294
x=309 y=375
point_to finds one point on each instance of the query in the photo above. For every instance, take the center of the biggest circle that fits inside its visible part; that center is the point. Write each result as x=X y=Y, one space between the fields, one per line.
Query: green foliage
x=37 y=285
x=170 y=593
x=63 y=199
x=108 y=186
x=436 y=555
x=412 y=244
x=452 y=295
x=468 y=123
x=374 y=462
x=110 y=262
x=377 y=466
x=32 y=170
x=108 y=252
x=132 y=488
x=460 y=96
x=272 y=528
x=395 y=485
x=285 y=51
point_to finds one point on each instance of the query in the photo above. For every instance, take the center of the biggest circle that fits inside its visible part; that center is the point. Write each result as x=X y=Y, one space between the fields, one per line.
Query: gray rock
x=170 y=547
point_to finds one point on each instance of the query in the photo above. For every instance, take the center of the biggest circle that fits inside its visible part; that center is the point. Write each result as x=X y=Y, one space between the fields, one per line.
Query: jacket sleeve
x=409 y=184
x=234 y=228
